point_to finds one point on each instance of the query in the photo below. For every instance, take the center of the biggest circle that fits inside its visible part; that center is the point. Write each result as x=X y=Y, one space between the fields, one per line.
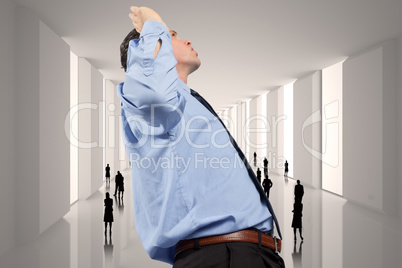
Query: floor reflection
x=297 y=255
x=336 y=234
x=108 y=252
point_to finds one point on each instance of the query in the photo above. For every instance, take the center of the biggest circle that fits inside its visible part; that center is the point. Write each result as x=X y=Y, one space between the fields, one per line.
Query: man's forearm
x=142 y=14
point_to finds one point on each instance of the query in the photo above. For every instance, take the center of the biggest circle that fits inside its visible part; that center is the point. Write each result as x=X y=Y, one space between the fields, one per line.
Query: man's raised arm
x=140 y=15
x=150 y=91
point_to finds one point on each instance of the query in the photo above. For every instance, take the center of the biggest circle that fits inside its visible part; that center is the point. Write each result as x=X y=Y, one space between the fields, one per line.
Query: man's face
x=186 y=56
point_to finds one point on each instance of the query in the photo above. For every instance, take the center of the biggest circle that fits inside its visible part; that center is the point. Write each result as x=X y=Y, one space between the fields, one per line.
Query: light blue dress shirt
x=188 y=180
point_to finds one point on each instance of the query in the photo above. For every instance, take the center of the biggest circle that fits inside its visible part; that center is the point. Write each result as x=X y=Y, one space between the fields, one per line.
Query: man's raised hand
x=140 y=15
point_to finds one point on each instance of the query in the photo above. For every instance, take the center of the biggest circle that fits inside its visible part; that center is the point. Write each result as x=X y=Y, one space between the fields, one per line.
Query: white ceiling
x=246 y=47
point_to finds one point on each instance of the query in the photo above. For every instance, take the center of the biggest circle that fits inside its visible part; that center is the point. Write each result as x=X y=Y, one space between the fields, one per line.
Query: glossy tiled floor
x=336 y=234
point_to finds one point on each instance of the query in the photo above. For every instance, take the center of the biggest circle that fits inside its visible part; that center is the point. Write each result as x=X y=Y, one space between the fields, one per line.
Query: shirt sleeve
x=149 y=94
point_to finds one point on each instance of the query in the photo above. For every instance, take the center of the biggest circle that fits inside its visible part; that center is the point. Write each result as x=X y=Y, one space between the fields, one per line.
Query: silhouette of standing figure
x=107 y=175
x=265 y=166
x=297 y=218
x=286 y=168
x=259 y=175
x=299 y=192
x=117 y=179
x=255 y=159
x=108 y=216
x=121 y=185
x=267 y=184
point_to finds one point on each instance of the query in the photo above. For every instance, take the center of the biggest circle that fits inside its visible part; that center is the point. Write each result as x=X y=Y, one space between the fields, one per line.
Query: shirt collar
x=183 y=86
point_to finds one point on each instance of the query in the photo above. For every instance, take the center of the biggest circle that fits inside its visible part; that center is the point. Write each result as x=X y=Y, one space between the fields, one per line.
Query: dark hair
x=124 y=47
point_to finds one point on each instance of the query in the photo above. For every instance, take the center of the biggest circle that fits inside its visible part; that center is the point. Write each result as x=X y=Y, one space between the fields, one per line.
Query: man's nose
x=188 y=43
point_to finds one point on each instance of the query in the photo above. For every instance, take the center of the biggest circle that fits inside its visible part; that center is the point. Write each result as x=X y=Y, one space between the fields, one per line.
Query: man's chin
x=196 y=66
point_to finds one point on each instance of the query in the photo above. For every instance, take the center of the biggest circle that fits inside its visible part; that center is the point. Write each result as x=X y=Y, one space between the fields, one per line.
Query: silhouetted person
x=267 y=184
x=121 y=185
x=255 y=159
x=259 y=175
x=108 y=216
x=286 y=168
x=117 y=180
x=297 y=218
x=107 y=175
x=265 y=166
x=299 y=191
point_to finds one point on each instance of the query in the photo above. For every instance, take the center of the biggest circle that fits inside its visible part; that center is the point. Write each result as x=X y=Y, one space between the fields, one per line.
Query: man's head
x=186 y=57
x=298 y=181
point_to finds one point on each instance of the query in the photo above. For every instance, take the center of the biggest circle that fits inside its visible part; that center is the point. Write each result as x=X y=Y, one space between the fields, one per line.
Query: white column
x=120 y=151
x=288 y=128
x=399 y=126
x=281 y=120
x=252 y=129
x=369 y=128
x=84 y=128
x=90 y=169
x=97 y=167
x=233 y=117
x=307 y=130
x=241 y=125
x=42 y=148
x=275 y=119
x=54 y=105
x=73 y=128
x=111 y=126
x=8 y=110
x=331 y=113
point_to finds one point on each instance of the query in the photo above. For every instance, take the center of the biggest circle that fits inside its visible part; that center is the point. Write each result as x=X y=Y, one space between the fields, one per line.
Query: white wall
x=228 y=119
x=307 y=132
x=389 y=119
x=27 y=146
x=369 y=128
x=280 y=126
x=262 y=130
x=42 y=152
x=331 y=112
x=288 y=126
x=399 y=125
x=233 y=118
x=274 y=119
x=84 y=129
x=252 y=129
x=111 y=124
x=115 y=152
x=120 y=149
x=90 y=155
x=97 y=167
x=7 y=119
x=241 y=126
x=73 y=128
x=54 y=105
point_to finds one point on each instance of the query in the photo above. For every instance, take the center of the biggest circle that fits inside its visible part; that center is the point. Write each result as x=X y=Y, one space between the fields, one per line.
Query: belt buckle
x=276 y=245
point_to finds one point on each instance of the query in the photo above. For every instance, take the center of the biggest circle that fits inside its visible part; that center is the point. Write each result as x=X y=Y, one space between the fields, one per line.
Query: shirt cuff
x=152 y=27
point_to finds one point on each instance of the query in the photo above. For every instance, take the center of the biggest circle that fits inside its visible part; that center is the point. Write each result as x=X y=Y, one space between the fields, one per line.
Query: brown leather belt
x=240 y=236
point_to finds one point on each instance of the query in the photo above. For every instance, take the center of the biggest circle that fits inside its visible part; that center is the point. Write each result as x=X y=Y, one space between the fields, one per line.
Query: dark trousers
x=229 y=255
